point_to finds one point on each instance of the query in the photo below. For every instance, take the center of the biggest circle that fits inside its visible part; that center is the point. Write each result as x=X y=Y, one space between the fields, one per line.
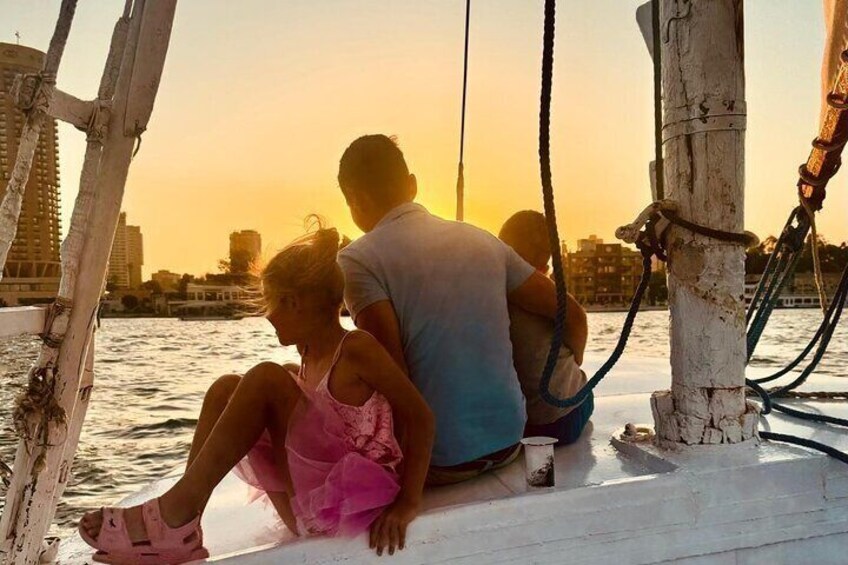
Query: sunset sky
x=260 y=97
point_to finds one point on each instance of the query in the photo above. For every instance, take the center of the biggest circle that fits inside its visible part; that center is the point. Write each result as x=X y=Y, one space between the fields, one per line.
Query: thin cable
x=460 y=173
x=659 y=177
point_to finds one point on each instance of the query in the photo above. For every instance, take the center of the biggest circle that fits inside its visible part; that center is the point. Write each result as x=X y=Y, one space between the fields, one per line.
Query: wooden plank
x=21 y=320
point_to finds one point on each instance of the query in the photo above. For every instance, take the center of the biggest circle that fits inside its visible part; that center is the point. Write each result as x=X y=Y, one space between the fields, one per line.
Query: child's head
x=527 y=233
x=302 y=285
x=374 y=178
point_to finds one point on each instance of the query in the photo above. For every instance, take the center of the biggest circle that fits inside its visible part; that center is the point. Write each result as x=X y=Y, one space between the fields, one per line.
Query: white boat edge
x=628 y=504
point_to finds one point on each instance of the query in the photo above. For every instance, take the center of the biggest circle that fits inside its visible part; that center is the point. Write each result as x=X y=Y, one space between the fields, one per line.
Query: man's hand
x=389 y=530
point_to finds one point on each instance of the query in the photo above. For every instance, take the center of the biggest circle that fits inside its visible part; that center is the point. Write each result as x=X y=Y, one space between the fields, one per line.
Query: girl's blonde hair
x=305 y=266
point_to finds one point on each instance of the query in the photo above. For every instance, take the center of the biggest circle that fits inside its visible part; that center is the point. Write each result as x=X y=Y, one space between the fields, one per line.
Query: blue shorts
x=568 y=428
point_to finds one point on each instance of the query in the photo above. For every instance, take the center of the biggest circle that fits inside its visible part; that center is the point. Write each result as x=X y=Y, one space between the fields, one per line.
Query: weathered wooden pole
x=703 y=79
x=41 y=88
x=51 y=413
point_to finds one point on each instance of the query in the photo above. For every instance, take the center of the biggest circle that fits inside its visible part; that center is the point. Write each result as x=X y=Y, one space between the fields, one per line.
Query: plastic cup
x=539 y=461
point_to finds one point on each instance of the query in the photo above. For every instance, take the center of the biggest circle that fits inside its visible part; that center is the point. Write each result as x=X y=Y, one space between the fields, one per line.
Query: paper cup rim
x=538 y=441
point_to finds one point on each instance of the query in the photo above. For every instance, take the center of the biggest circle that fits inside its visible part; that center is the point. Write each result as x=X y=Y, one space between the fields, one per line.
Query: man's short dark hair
x=374 y=165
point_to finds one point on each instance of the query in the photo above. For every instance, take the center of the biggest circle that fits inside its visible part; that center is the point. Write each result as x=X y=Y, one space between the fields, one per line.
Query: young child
x=527 y=234
x=320 y=442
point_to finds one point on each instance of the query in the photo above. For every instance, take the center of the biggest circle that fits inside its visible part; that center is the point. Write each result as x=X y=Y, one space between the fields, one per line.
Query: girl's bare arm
x=375 y=366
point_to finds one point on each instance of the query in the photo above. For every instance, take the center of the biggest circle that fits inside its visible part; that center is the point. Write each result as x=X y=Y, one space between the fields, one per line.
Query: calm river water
x=151 y=375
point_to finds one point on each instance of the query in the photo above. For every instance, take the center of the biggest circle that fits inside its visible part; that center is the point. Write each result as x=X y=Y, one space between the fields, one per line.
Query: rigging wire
x=460 y=174
x=659 y=175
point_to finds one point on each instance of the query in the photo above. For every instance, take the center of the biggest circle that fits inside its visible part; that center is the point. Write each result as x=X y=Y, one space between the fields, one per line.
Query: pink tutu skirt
x=338 y=490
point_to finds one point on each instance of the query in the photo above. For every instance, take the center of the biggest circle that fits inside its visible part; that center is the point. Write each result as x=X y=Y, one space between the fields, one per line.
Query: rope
x=826 y=449
x=768 y=405
x=614 y=357
x=817 y=395
x=770 y=300
x=746 y=238
x=814 y=247
x=823 y=418
x=832 y=320
x=548 y=196
x=770 y=266
x=460 y=173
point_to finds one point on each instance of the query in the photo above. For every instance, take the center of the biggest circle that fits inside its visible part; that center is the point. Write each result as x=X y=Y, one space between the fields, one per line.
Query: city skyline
x=263 y=151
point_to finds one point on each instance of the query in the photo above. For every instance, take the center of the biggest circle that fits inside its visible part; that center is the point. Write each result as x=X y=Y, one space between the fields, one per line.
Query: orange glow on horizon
x=260 y=98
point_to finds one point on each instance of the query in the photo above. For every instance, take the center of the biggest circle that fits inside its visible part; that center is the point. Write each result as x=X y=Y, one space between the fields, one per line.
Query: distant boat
x=792 y=301
x=208 y=311
x=205 y=317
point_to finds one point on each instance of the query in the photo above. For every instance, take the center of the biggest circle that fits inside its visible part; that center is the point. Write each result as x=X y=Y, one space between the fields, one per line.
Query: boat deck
x=251 y=533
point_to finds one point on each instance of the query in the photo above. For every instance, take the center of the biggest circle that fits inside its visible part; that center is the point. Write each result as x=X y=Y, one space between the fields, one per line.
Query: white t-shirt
x=448 y=283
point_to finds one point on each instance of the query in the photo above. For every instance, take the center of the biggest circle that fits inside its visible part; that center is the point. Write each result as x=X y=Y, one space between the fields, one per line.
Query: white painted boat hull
x=738 y=504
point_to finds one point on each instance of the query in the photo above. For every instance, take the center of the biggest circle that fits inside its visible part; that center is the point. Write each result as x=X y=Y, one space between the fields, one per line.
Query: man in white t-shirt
x=435 y=292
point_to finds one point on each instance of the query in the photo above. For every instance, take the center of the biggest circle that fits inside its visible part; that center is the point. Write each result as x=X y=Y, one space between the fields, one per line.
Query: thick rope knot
x=98 y=125
x=49 y=337
x=32 y=91
x=661 y=214
x=36 y=408
x=636 y=434
x=631 y=232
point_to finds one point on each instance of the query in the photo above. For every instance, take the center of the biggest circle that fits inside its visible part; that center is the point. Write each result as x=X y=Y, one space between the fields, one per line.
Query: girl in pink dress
x=319 y=440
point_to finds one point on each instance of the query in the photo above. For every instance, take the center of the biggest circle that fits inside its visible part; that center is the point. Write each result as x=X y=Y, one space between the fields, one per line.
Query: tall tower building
x=245 y=248
x=32 y=269
x=135 y=255
x=119 y=273
x=127 y=255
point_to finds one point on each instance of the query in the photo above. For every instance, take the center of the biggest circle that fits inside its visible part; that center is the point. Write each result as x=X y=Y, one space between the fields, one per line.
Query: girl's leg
x=264 y=398
x=282 y=504
x=214 y=403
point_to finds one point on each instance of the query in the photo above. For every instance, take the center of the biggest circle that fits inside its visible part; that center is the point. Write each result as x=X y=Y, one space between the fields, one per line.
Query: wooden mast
x=703 y=80
x=61 y=377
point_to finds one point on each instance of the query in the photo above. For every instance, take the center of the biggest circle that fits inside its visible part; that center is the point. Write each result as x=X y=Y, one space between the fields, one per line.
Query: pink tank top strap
x=324 y=384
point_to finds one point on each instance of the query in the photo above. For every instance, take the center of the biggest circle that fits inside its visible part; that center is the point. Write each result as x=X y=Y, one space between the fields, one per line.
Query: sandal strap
x=164 y=537
x=113 y=533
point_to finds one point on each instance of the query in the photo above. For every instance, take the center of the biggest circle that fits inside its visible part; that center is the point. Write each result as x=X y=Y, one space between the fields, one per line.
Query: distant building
x=602 y=273
x=127 y=256
x=167 y=280
x=135 y=255
x=32 y=268
x=245 y=249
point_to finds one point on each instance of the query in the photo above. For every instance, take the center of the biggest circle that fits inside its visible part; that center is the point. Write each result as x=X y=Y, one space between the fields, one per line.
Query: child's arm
x=370 y=361
x=538 y=295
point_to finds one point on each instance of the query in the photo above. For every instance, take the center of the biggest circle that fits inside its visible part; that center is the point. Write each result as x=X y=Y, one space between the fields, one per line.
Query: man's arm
x=379 y=319
x=538 y=295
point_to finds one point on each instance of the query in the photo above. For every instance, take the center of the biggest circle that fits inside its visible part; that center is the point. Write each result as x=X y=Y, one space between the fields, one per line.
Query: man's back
x=448 y=283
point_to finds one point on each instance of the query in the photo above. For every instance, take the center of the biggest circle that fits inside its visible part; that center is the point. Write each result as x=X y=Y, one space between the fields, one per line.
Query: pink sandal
x=165 y=545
